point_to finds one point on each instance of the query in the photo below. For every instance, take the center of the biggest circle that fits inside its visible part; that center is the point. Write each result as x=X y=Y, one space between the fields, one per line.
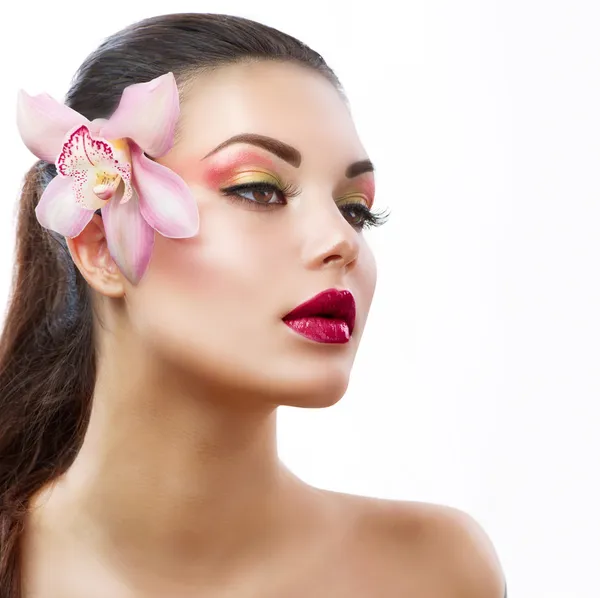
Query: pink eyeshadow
x=221 y=166
x=366 y=185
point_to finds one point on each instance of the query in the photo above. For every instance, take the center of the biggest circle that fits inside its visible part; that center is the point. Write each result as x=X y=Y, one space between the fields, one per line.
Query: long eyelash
x=380 y=217
x=290 y=190
x=370 y=219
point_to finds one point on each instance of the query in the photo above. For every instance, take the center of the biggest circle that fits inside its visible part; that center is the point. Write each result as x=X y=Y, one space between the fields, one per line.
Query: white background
x=477 y=382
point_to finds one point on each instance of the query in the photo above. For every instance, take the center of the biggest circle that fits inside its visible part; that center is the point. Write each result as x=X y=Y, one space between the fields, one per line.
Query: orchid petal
x=129 y=237
x=91 y=163
x=166 y=202
x=147 y=114
x=58 y=210
x=43 y=123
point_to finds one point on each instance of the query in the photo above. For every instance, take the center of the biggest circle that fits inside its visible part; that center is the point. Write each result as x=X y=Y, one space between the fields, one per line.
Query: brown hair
x=47 y=353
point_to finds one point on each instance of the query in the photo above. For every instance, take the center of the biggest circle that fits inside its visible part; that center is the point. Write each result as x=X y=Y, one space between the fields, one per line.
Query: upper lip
x=332 y=303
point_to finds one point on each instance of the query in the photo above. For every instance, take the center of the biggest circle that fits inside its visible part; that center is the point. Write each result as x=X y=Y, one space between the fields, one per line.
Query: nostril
x=332 y=258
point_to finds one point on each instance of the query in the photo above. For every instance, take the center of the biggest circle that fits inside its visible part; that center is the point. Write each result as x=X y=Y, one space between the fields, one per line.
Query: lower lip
x=321 y=330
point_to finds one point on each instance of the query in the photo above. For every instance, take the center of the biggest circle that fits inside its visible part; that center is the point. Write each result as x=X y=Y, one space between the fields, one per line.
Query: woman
x=179 y=275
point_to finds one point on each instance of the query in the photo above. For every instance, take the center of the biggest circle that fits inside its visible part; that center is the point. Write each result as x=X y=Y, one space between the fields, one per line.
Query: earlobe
x=89 y=251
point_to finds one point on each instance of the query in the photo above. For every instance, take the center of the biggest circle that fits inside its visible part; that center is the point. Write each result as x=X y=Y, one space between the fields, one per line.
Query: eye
x=261 y=194
x=359 y=216
x=354 y=214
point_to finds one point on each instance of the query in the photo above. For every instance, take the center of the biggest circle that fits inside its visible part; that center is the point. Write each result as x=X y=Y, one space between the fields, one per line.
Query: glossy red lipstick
x=326 y=318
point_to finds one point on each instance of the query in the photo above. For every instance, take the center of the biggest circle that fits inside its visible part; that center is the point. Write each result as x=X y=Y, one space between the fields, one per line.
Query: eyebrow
x=286 y=152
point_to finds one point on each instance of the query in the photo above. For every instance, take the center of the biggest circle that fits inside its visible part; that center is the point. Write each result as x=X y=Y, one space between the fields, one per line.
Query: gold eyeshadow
x=257 y=175
x=353 y=199
x=254 y=176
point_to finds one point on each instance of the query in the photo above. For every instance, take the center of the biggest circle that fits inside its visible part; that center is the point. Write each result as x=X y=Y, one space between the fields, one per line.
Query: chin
x=312 y=385
x=315 y=394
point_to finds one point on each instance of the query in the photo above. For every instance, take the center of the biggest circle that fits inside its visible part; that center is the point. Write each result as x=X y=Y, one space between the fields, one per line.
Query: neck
x=176 y=479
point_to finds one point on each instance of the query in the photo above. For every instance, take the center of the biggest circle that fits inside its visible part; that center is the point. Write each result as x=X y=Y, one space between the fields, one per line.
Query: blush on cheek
x=176 y=263
x=200 y=268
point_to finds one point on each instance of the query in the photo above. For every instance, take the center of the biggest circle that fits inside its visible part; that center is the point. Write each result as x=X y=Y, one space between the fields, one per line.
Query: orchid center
x=97 y=167
x=107 y=183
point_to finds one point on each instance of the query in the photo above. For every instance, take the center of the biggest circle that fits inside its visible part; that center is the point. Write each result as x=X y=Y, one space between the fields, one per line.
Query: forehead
x=282 y=100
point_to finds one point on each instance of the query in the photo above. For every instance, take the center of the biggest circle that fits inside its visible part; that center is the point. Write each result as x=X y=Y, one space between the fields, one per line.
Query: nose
x=331 y=241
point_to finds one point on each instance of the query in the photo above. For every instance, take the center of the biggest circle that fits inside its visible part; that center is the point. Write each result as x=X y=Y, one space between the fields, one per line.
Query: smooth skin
x=178 y=490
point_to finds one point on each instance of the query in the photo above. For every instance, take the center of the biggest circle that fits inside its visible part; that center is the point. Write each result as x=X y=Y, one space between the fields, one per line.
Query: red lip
x=328 y=317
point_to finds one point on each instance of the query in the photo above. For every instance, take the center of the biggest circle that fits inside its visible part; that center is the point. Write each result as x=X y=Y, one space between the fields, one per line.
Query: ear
x=89 y=251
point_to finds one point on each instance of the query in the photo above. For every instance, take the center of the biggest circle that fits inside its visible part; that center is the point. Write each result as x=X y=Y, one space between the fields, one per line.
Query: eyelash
x=368 y=218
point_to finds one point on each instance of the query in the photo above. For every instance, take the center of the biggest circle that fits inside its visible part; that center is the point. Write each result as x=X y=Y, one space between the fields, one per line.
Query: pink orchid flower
x=103 y=164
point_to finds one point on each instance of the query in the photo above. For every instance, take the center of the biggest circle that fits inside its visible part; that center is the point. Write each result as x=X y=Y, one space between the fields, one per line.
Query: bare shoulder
x=457 y=544
x=427 y=549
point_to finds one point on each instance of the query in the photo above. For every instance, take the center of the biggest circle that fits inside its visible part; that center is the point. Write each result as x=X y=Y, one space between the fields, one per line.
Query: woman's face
x=214 y=303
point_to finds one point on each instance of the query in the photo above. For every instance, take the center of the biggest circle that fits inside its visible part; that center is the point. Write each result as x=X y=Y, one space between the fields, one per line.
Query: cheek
x=232 y=261
x=367 y=273
x=208 y=300
x=198 y=295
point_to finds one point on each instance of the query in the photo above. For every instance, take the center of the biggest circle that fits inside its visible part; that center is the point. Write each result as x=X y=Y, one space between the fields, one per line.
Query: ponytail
x=47 y=371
